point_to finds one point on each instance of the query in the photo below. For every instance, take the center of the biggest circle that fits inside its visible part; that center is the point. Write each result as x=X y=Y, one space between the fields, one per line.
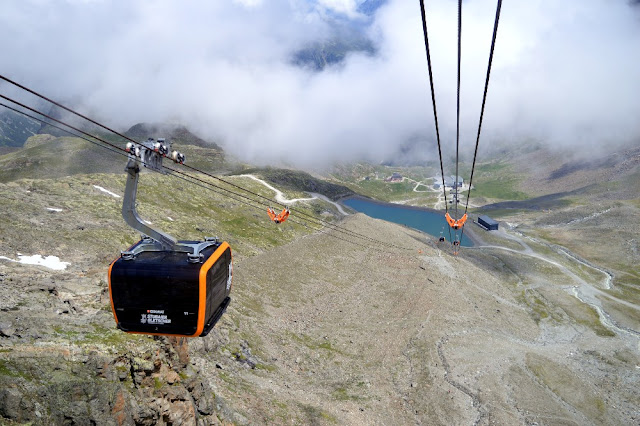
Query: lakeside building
x=452 y=181
x=487 y=223
x=395 y=177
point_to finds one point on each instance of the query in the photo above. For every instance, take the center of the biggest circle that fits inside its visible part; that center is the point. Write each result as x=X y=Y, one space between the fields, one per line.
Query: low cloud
x=564 y=73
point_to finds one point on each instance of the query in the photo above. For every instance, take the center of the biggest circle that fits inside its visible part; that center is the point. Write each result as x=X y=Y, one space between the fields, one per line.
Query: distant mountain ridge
x=333 y=51
x=15 y=128
x=176 y=133
x=347 y=36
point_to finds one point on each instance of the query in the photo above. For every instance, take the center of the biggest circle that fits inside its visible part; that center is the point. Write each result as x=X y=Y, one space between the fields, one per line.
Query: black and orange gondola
x=280 y=217
x=160 y=285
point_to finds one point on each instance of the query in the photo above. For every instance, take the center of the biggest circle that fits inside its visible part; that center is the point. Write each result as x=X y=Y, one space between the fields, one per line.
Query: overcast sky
x=565 y=72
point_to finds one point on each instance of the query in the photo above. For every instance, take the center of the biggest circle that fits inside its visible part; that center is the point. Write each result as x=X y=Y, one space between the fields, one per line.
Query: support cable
x=484 y=99
x=458 y=103
x=271 y=202
x=182 y=175
x=118 y=150
x=433 y=101
x=456 y=201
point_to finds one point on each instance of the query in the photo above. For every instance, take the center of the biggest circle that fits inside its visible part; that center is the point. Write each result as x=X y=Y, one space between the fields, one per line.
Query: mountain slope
x=15 y=128
x=319 y=331
x=538 y=323
x=47 y=156
x=358 y=336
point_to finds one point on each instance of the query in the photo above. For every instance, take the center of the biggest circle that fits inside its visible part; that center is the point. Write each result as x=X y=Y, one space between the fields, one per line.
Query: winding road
x=281 y=198
x=583 y=290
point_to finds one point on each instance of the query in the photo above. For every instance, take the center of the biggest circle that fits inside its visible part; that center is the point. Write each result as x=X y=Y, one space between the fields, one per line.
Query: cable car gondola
x=162 y=286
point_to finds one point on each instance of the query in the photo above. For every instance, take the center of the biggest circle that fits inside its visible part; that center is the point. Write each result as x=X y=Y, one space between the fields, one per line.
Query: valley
x=537 y=323
x=362 y=222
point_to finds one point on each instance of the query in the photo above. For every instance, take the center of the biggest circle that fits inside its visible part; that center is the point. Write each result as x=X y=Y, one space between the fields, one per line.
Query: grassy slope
x=48 y=157
x=296 y=180
x=337 y=334
x=587 y=206
x=497 y=180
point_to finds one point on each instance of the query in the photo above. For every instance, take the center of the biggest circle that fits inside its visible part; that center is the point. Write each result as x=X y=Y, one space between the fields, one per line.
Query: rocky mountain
x=538 y=323
x=332 y=51
x=176 y=133
x=15 y=128
x=346 y=36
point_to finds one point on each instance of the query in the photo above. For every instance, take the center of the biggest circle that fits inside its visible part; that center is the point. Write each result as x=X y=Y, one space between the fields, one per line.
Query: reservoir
x=423 y=220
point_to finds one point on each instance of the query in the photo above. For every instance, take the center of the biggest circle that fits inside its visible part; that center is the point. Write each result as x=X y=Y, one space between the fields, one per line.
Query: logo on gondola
x=154 y=317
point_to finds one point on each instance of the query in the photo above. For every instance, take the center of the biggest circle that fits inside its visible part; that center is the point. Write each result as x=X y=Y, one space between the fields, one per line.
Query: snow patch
x=51 y=262
x=54 y=209
x=106 y=191
x=169 y=218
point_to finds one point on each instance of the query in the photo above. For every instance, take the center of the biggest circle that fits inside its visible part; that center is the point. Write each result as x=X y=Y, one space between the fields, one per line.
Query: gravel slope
x=415 y=336
x=320 y=331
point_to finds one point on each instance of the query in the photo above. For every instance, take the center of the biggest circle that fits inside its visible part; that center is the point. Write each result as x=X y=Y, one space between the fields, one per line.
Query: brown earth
x=319 y=331
x=389 y=336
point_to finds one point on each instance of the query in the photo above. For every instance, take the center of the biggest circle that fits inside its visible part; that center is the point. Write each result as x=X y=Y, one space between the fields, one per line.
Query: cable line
x=174 y=173
x=459 y=223
x=33 y=92
x=118 y=150
x=484 y=99
x=457 y=200
x=433 y=101
x=184 y=176
x=300 y=212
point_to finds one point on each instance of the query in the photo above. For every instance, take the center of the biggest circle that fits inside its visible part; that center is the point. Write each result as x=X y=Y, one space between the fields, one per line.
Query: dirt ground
x=415 y=335
x=324 y=331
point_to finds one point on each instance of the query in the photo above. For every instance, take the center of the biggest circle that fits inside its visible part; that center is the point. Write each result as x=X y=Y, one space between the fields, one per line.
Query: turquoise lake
x=422 y=220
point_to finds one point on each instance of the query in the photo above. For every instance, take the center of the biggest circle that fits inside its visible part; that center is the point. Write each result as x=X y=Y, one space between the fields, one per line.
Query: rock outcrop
x=158 y=387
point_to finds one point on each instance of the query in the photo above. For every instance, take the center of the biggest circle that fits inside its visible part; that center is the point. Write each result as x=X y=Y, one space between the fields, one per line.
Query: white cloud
x=249 y=3
x=565 y=72
x=346 y=7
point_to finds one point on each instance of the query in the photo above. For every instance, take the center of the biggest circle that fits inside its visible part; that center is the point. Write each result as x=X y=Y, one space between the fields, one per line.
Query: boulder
x=7 y=329
x=10 y=399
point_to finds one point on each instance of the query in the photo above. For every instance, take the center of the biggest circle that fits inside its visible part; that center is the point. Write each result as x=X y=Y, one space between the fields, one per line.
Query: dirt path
x=328 y=200
x=281 y=198
x=583 y=290
x=279 y=194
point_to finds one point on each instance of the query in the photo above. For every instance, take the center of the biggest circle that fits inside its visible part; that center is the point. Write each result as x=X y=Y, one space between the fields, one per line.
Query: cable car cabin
x=164 y=293
x=162 y=285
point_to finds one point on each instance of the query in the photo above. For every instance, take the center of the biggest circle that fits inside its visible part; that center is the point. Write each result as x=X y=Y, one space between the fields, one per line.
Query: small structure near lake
x=395 y=177
x=453 y=181
x=487 y=223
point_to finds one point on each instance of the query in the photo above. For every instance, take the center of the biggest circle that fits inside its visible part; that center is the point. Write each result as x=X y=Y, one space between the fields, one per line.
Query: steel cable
x=179 y=174
x=301 y=213
x=484 y=99
x=433 y=101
